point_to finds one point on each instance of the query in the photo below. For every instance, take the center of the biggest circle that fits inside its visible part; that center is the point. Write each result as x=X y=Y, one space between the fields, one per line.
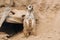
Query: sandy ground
x=44 y=32
x=48 y=27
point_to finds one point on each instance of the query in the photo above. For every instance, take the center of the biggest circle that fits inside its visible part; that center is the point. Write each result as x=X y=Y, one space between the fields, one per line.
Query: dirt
x=48 y=26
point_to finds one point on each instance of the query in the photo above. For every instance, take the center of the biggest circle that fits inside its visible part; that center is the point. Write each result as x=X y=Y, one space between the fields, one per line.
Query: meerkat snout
x=30 y=7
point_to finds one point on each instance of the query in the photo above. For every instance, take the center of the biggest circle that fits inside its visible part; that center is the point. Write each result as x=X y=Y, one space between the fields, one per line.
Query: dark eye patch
x=23 y=15
x=2 y=6
x=12 y=12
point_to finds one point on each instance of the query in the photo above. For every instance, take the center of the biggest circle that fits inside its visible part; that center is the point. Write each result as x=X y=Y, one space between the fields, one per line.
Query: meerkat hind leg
x=33 y=32
x=26 y=34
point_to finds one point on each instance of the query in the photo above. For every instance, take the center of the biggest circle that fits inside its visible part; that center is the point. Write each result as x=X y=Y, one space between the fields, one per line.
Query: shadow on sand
x=11 y=28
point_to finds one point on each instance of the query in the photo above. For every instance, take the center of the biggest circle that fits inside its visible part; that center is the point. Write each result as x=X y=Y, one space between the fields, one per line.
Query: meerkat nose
x=29 y=6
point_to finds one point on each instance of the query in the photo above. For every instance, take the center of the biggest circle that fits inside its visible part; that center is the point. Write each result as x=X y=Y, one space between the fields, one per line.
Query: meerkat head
x=30 y=8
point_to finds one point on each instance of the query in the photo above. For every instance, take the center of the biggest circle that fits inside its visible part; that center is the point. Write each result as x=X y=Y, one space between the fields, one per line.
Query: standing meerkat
x=29 y=22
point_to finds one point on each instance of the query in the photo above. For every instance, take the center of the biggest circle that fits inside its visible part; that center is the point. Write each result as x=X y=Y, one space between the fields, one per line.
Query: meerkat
x=29 y=22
